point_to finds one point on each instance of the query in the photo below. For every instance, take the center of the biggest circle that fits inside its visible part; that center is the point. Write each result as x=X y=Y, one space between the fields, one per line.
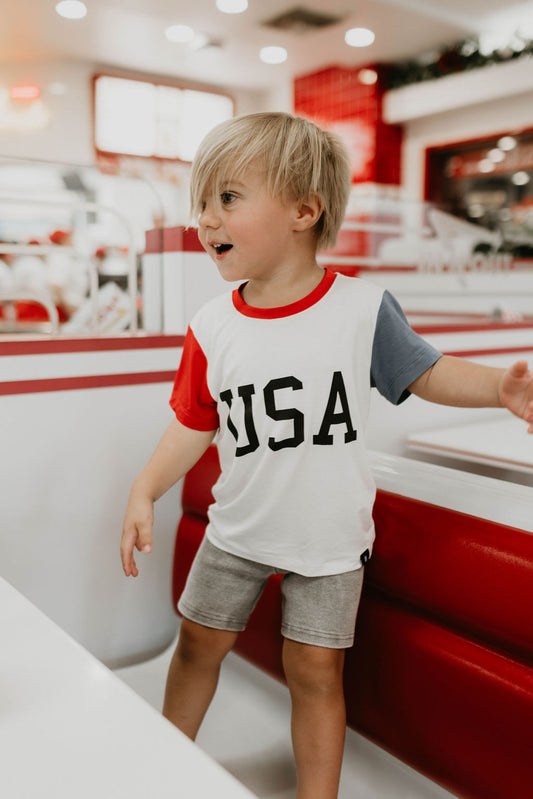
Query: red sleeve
x=191 y=400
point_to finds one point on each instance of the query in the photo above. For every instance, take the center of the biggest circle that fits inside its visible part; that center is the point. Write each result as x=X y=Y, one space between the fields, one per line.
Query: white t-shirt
x=288 y=390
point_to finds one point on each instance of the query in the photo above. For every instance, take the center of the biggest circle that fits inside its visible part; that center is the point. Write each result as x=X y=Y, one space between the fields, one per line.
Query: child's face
x=248 y=233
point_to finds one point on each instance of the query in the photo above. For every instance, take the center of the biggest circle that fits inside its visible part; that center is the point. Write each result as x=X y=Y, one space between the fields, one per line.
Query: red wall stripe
x=496 y=351
x=89 y=381
x=425 y=330
x=57 y=346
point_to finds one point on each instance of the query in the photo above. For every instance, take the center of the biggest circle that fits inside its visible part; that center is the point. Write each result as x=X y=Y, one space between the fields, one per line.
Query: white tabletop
x=504 y=443
x=70 y=729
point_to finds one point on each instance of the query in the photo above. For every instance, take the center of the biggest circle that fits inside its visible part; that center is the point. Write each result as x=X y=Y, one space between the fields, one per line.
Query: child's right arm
x=178 y=450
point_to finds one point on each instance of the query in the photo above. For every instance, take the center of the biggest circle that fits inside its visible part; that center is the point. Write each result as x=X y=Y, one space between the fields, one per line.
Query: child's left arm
x=455 y=381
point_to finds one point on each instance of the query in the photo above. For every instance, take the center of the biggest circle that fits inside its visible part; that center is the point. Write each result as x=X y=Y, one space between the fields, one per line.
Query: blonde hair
x=300 y=161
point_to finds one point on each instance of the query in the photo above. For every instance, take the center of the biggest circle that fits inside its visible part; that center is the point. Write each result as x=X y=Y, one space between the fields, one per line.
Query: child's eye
x=227 y=197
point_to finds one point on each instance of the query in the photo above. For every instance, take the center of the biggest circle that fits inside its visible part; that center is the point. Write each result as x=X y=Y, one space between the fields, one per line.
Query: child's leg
x=193 y=674
x=314 y=677
x=321 y=612
x=221 y=591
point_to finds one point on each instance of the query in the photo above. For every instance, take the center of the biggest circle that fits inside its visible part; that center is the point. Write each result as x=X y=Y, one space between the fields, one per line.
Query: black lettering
x=282 y=414
x=227 y=397
x=246 y=393
x=337 y=392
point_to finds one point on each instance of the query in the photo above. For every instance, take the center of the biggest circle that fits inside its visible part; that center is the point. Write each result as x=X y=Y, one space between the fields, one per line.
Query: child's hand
x=136 y=532
x=516 y=392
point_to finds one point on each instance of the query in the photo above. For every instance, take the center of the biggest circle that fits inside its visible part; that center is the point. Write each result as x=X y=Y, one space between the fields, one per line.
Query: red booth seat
x=441 y=672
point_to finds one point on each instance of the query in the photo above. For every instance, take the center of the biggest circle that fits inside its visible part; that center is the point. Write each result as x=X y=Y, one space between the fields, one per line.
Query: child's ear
x=308 y=213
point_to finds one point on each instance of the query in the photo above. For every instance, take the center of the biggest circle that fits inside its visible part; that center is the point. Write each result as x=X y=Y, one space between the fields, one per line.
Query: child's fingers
x=126 y=552
x=519 y=369
x=528 y=416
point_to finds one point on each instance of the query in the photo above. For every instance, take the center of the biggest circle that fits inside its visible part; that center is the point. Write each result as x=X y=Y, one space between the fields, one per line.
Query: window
x=134 y=117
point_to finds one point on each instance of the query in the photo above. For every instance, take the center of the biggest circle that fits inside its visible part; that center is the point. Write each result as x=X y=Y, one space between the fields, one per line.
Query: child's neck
x=283 y=288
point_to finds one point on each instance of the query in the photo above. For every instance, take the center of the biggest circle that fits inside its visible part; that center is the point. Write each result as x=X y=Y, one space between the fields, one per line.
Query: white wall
x=68 y=135
x=449 y=109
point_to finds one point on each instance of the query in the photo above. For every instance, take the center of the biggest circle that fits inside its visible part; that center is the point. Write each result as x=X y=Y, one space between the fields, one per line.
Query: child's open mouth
x=220 y=249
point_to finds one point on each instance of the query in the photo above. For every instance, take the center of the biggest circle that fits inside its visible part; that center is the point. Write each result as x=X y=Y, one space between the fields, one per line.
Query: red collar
x=285 y=310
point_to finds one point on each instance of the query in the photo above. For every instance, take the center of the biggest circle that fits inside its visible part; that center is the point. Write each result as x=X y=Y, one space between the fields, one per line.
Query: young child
x=281 y=371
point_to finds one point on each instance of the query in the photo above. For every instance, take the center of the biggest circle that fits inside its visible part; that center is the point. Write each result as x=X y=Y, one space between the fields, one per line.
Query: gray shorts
x=222 y=591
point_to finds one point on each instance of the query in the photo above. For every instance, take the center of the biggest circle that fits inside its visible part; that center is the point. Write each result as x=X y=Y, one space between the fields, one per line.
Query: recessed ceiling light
x=520 y=178
x=71 y=9
x=232 y=6
x=507 y=143
x=199 y=41
x=496 y=155
x=359 y=37
x=179 y=34
x=367 y=76
x=273 y=55
x=486 y=165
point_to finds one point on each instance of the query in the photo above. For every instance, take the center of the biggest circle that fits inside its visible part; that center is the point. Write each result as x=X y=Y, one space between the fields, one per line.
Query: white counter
x=503 y=442
x=70 y=729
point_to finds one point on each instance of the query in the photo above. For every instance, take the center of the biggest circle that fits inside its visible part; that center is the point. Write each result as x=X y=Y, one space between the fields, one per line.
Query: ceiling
x=130 y=34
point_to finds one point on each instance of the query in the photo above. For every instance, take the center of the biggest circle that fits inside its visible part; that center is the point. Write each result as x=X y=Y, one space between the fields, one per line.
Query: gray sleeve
x=399 y=355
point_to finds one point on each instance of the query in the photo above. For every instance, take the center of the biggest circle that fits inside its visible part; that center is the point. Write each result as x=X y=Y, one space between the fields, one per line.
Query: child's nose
x=209 y=217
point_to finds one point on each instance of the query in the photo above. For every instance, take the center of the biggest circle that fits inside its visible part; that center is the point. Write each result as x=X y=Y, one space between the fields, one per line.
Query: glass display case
x=490 y=183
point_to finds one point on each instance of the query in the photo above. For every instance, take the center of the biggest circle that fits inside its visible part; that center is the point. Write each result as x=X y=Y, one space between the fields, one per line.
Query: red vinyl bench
x=441 y=672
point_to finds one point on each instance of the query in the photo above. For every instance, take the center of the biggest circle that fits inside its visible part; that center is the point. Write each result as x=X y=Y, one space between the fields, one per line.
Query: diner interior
x=102 y=106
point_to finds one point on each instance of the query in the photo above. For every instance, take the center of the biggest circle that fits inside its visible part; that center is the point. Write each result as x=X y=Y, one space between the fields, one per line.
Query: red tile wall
x=336 y=99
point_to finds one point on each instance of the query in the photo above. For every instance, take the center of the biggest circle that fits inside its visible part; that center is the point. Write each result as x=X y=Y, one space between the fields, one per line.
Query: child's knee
x=312 y=669
x=197 y=644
